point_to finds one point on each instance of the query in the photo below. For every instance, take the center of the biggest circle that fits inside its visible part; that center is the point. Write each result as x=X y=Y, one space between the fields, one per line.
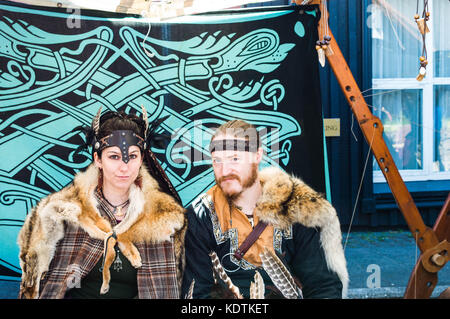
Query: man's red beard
x=248 y=182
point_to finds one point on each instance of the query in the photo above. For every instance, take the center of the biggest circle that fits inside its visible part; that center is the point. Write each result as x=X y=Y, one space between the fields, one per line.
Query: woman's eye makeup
x=115 y=156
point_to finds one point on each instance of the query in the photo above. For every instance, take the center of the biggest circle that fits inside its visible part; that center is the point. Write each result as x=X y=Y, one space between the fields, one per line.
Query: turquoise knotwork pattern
x=51 y=82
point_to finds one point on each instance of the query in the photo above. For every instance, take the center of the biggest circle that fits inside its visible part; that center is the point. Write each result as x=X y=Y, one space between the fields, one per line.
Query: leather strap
x=250 y=240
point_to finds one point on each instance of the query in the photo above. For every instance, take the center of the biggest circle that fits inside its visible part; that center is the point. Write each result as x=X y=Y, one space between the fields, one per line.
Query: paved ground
x=392 y=255
x=379 y=265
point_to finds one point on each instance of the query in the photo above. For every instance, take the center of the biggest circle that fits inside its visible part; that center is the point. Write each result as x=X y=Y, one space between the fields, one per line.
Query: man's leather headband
x=233 y=145
x=123 y=139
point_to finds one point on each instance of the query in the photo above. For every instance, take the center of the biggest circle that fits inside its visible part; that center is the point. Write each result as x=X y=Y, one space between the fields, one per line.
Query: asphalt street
x=380 y=264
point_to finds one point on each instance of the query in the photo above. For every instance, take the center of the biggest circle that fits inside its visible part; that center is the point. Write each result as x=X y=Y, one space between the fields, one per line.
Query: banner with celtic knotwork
x=58 y=66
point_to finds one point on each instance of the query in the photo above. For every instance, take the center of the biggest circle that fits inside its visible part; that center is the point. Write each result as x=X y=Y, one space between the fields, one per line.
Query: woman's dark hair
x=112 y=121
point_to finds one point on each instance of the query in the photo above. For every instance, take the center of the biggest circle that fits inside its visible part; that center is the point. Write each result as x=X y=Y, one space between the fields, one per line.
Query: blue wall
x=346 y=155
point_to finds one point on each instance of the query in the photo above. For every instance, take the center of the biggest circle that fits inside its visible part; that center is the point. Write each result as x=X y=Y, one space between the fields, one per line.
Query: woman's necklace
x=117 y=209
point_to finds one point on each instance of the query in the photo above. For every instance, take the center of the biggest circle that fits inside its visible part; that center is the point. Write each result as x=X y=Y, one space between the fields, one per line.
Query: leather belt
x=250 y=240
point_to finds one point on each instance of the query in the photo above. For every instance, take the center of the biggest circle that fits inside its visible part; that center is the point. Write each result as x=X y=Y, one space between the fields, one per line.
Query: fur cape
x=287 y=200
x=153 y=217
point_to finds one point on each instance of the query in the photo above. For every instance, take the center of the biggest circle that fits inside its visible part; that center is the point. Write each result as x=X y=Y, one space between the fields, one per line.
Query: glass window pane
x=439 y=17
x=396 y=40
x=442 y=128
x=400 y=113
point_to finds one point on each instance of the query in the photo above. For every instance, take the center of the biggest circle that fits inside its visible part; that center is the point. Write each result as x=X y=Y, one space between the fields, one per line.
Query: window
x=415 y=114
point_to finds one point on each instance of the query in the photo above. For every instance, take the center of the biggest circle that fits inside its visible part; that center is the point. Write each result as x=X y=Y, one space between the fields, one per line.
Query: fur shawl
x=287 y=200
x=77 y=204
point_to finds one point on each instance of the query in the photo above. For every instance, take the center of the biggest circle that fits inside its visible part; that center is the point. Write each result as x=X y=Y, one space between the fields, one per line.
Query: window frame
x=427 y=86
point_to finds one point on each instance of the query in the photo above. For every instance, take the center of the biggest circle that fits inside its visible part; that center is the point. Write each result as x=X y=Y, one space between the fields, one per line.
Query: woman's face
x=116 y=173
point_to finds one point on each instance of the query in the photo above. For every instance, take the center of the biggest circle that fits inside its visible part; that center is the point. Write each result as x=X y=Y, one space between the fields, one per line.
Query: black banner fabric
x=58 y=66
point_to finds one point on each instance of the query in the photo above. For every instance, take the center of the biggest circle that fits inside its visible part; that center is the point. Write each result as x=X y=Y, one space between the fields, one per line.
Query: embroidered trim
x=220 y=236
x=278 y=235
x=234 y=245
x=232 y=234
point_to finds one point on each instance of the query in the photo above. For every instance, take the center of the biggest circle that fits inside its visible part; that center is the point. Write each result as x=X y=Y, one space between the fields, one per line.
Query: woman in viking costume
x=114 y=218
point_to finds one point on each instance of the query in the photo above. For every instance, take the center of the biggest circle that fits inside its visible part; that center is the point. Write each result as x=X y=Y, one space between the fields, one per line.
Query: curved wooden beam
x=422 y=282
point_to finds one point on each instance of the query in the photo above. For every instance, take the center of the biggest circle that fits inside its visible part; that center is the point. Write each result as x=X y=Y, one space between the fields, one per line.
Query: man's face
x=235 y=171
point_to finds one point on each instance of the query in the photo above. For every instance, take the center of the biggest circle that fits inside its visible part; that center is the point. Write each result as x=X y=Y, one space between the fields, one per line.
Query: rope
x=351 y=127
x=150 y=55
x=148 y=15
x=359 y=190
x=381 y=93
x=376 y=108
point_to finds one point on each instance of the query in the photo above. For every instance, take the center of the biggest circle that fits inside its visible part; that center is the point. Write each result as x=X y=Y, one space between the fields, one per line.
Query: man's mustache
x=229 y=177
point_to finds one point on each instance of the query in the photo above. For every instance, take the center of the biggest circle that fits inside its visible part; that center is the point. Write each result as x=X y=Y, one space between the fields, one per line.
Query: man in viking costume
x=251 y=220
x=117 y=231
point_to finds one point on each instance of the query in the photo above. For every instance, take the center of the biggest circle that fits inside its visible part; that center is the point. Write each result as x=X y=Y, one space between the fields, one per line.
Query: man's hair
x=239 y=129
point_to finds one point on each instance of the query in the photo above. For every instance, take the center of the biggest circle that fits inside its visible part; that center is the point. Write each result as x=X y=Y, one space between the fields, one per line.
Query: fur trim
x=154 y=214
x=287 y=200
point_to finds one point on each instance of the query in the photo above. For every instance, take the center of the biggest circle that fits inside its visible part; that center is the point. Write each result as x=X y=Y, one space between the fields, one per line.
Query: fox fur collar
x=68 y=203
x=287 y=200
x=161 y=216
